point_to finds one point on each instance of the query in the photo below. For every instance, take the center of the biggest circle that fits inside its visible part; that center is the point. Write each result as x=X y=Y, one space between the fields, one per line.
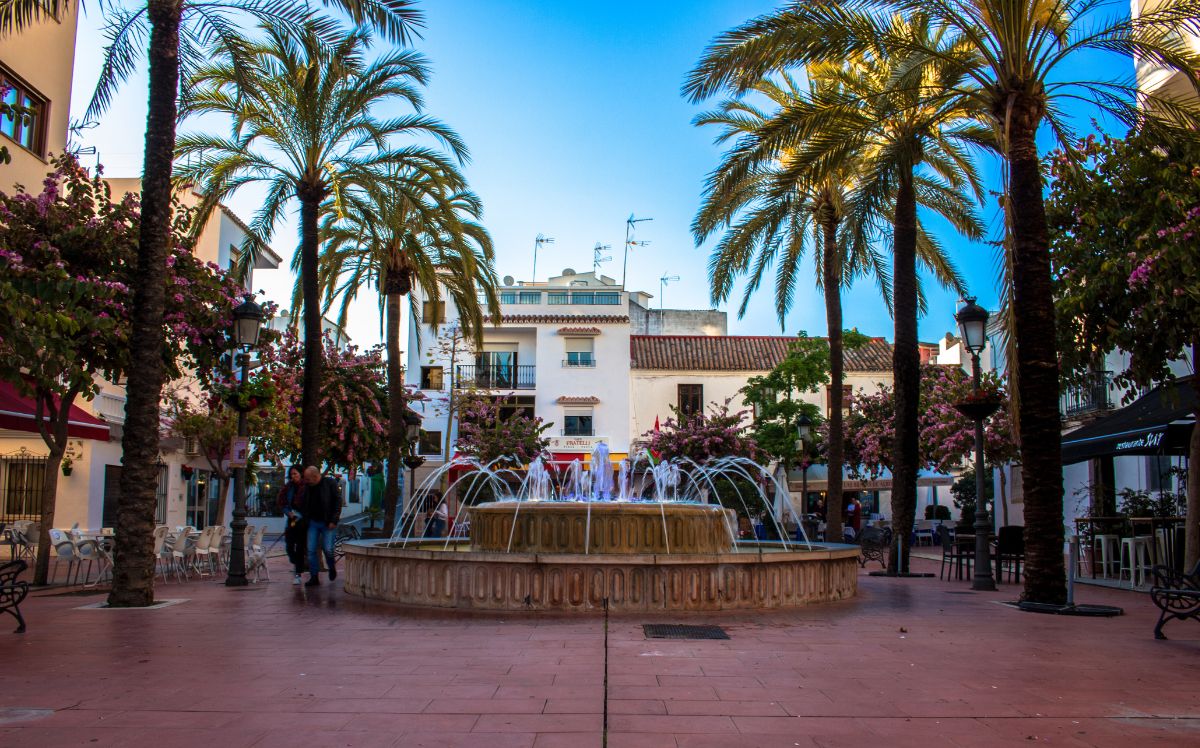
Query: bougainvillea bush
x=485 y=433
x=703 y=436
x=947 y=437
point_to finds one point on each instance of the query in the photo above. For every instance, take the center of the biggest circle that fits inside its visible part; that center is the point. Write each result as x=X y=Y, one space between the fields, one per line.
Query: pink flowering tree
x=946 y=437
x=67 y=257
x=1125 y=224
x=353 y=403
x=486 y=432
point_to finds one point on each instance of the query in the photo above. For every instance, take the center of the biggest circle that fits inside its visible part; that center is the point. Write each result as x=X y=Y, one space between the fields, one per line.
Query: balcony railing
x=583 y=298
x=495 y=377
x=577 y=432
x=1093 y=394
x=580 y=363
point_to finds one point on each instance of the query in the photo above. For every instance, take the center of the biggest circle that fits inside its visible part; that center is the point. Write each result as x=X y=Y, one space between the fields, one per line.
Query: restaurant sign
x=574 y=443
x=1145 y=441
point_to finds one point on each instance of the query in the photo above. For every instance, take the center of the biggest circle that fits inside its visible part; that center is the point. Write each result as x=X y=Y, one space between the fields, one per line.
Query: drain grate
x=678 y=631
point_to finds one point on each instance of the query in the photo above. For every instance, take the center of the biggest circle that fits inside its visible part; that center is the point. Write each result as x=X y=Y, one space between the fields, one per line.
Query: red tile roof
x=738 y=353
x=590 y=319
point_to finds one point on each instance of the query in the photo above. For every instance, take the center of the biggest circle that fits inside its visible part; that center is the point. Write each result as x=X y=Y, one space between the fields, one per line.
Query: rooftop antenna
x=598 y=257
x=662 y=285
x=537 y=244
x=630 y=227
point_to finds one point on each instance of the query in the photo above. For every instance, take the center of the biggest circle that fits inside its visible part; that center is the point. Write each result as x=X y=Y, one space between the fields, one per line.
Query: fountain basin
x=428 y=574
x=601 y=527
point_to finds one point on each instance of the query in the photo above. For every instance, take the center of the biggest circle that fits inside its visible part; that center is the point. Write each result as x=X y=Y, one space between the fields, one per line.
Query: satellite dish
x=508 y=280
x=568 y=272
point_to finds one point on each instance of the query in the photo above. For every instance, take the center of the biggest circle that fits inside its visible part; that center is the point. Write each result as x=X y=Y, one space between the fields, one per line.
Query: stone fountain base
x=423 y=574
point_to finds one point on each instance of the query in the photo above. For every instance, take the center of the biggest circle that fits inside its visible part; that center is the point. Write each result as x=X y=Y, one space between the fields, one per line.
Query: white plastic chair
x=162 y=555
x=182 y=551
x=90 y=551
x=216 y=546
x=65 y=550
x=202 y=549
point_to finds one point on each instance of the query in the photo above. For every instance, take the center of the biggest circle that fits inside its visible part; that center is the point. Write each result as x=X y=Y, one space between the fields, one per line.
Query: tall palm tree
x=773 y=200
x=181 y=32
x=892 y=114
x=303 y=124
x=1014 y=53
x=412 y=227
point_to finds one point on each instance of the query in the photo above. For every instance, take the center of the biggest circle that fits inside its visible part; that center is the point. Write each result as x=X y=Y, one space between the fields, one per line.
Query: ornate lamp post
x=972 y=324
x=247 y=321
x=803 y=431
x=412 y=460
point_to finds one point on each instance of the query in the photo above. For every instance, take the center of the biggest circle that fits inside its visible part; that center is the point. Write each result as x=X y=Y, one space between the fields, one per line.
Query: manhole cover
x=678 y=631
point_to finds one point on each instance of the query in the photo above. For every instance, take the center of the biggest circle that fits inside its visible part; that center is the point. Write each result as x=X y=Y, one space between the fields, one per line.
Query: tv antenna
x=537 y=244
x=598 y=257
x=662 y=286
x=631 y=226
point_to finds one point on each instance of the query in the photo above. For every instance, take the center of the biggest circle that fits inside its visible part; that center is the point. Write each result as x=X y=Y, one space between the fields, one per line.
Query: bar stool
x=1140 y=555
x=1107 y=557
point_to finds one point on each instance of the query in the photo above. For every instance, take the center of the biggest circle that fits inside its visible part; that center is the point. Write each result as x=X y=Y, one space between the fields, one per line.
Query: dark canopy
x=1157 y=423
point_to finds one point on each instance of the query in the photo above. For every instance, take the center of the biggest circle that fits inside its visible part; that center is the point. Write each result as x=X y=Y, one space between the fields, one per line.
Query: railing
x=581 y=298
x=21 y=478
x=110 y=407
x=580 y=363
x=497 y=377
x=577 y=432
x=1092 y=395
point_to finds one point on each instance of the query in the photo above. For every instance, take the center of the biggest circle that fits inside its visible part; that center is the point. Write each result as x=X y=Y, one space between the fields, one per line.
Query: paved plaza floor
x=917 y=662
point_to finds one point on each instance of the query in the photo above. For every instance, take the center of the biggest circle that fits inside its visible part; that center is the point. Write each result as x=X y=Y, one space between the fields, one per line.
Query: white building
x=588 y=356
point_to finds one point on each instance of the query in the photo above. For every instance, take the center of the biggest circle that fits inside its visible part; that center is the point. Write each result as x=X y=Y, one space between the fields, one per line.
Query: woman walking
x=295 y=533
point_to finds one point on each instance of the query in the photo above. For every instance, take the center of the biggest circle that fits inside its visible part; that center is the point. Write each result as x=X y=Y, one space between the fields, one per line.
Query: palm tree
x=1013 y=53
x=303 y=124
x=181 y=32
x=773 y=200
x=907 y=139
x=415 y=226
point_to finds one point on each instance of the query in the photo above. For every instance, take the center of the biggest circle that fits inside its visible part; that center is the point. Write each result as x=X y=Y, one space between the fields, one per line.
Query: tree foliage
x=486 y=432
x=702 y=436
x=777 y=402
x=947 y=437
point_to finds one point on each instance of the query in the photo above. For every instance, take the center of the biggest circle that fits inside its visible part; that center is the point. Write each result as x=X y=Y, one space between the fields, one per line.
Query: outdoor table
x=969 y=541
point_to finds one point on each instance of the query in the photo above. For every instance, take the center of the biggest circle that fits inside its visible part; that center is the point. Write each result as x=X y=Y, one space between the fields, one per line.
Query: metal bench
x=1176 y=594
x=874 y=544
x=13 y=591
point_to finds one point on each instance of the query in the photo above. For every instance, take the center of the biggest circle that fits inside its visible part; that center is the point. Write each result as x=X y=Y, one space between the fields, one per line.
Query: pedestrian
x=439 y=513
x=323 y=507
x=295 y=532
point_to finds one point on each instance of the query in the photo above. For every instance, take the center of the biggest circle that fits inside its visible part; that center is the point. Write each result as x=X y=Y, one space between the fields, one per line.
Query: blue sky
x=574 y=119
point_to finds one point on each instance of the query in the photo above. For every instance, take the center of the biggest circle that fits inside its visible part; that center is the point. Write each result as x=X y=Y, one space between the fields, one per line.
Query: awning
x=1157 y=423
x=17 y=414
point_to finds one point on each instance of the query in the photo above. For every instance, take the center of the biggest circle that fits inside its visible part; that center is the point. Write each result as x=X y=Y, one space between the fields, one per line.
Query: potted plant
x=68 y=466
x=979 y=404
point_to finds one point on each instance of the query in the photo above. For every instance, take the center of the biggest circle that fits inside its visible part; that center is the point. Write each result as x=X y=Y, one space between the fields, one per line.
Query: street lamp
x=803 y=430
x=412 y=461
x=247 y=321
x=972 y=324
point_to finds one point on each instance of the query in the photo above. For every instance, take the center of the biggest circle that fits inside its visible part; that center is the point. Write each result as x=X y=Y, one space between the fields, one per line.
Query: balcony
x=579 y=363
x=497 y=377
x=578 y=431
x=1094 y=394
x=557 y=298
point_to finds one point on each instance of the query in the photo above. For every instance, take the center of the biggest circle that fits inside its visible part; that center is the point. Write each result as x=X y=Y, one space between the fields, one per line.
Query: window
x=608 y=297
x=847 y=396
x=431 y=377
x=529 y=297
x=577 y=422
x=558 y=297
x=427 y=312
x=583 y=297
x=430 y=443
x=508 y=297
x=691 y=399
x=579 y=352
x=1158 y=473
x=28 y=126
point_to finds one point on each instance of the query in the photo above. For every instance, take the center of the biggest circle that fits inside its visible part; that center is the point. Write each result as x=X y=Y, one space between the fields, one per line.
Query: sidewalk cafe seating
x=1010 y=548
x=957 y=554
x=874 y=544
x=13 y=591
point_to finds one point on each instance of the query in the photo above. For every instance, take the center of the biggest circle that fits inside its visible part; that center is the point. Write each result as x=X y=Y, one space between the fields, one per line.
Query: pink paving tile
x=403 y=723
x=490 y=706
x=462 y=740
x=574 y=706
x=569 y=740
x=667 y=724
x=726 y=708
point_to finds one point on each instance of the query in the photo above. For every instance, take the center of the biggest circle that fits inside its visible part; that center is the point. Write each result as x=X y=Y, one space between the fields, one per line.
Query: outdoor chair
x=202 y=549
x=13 y=591
x=923 y=532
x=162 y=555
x=216 y=547
x=1010 y=547
x=65 y=550
x=954 y=554
x=182 y=551
x=89 y=551
x=26 y=535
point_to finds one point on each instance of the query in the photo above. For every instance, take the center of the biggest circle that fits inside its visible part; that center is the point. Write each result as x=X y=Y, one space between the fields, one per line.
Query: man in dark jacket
x=323 y=508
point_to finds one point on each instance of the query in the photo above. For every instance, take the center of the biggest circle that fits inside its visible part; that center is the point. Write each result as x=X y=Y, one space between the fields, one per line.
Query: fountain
x=574 y=539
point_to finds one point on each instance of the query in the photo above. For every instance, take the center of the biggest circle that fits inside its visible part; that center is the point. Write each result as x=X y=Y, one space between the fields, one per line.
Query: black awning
x=1157 y=423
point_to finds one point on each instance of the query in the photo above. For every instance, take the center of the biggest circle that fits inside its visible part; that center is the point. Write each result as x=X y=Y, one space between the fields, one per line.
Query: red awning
x=17 y=413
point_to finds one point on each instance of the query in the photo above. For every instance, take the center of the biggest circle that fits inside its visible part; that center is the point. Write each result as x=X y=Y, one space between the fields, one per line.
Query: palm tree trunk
x=1037 y=363
x=133 y=564
x=831 y=280
x=906 y=370
x=1191 y=542
x=310 y=404
x=396 y=430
